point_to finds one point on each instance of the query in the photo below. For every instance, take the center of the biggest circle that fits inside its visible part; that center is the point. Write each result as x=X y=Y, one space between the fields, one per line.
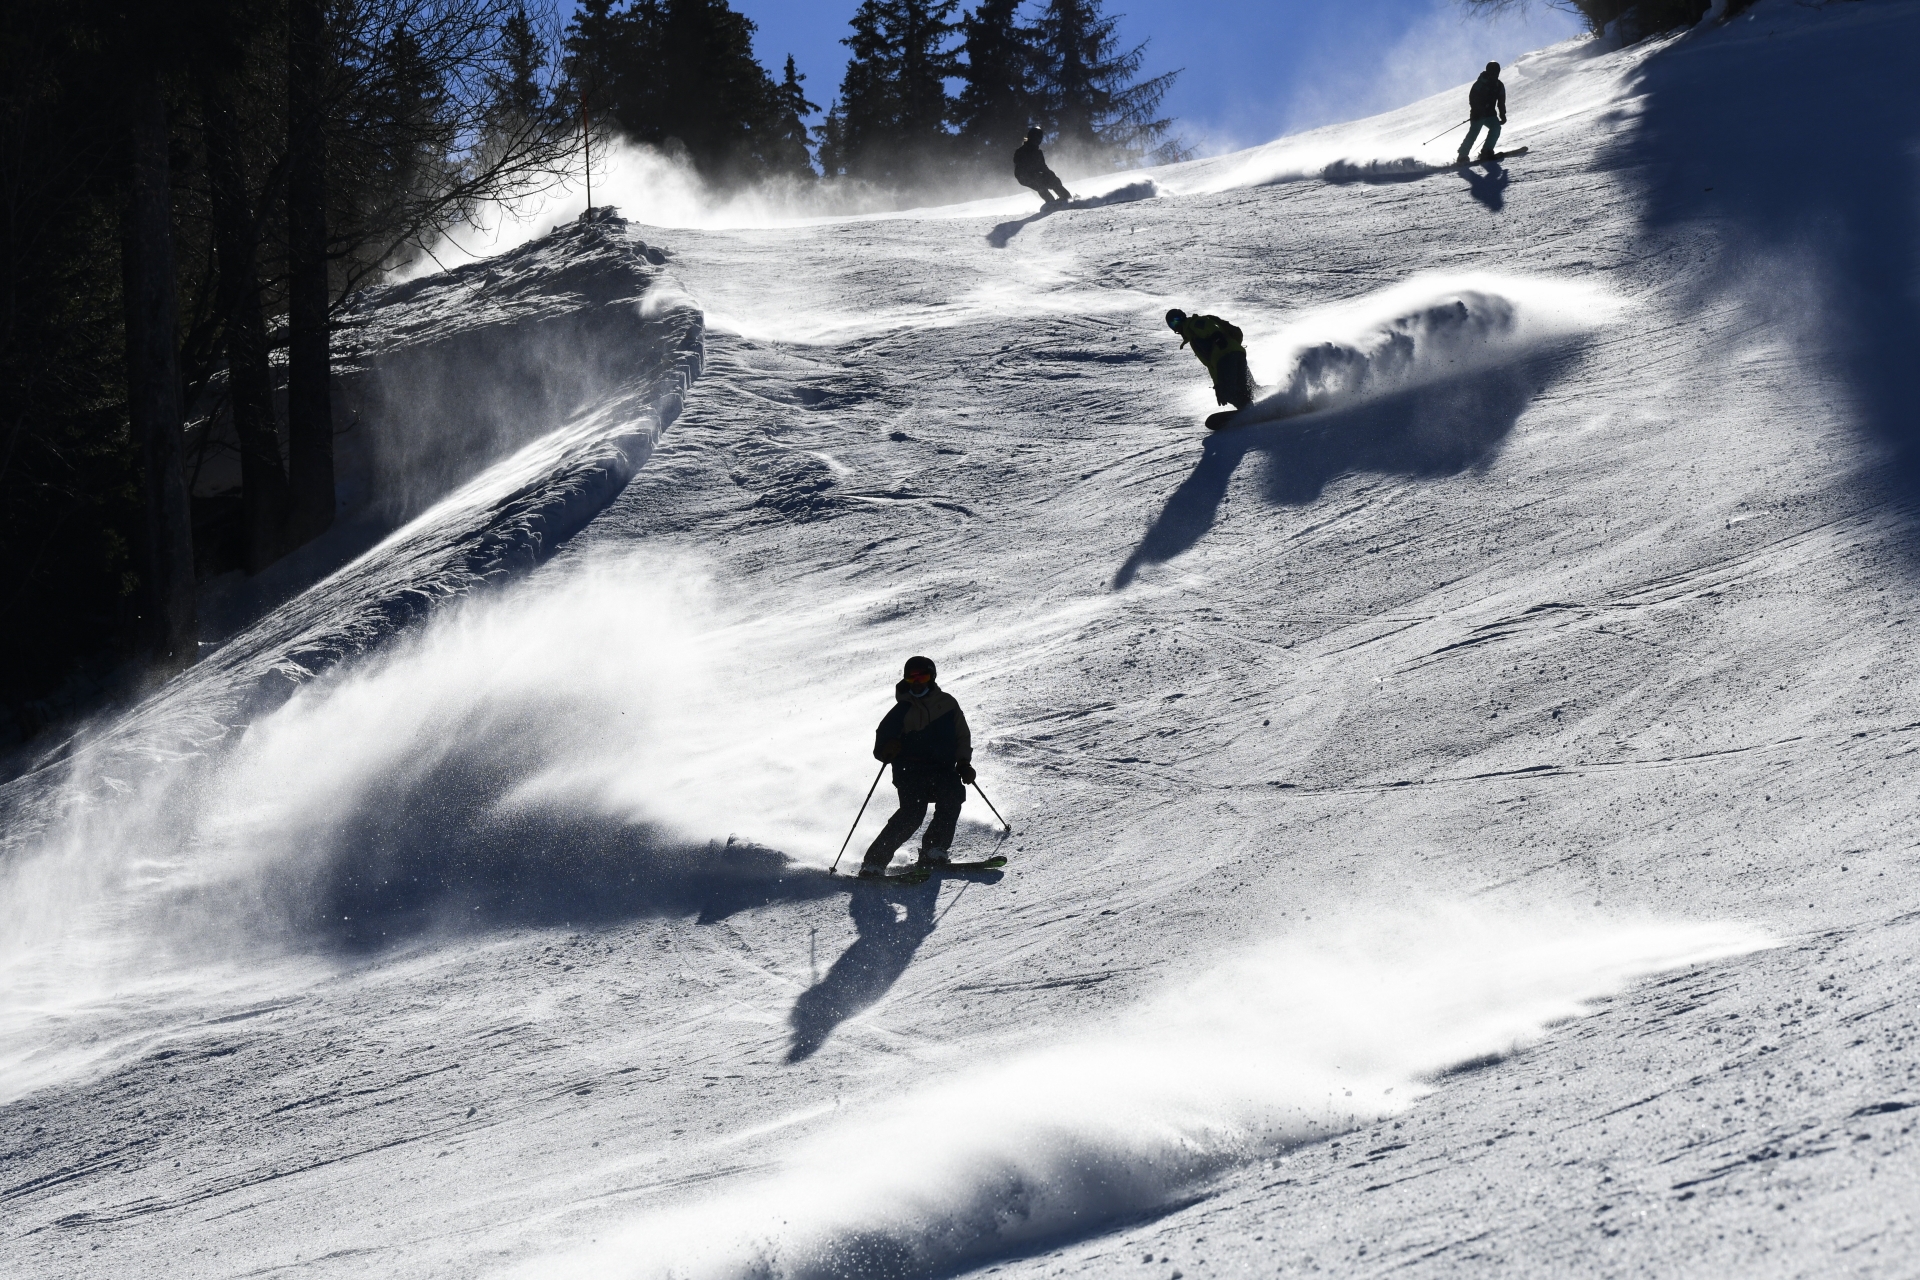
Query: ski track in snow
x=1539 y=631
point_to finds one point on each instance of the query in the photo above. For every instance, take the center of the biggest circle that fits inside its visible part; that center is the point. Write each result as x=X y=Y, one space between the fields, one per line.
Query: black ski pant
x=1048 y=184
x=936 y=785
x=1232 y=380
x=1491 y=123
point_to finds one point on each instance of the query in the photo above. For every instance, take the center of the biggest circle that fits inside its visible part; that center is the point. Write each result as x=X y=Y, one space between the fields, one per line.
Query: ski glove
x=966 y=771
x=886 y=752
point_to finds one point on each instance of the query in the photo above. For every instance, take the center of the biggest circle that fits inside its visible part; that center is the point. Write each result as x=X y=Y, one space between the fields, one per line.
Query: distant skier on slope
x=1487 y=105
x=926 y=739
x=1217 y=343
x=1030 y=170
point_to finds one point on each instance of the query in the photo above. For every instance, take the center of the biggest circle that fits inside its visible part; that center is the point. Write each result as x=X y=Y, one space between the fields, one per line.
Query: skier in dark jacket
x=926 y=739
x=1487 y=104
x=1030 y=170
x=1217 y=343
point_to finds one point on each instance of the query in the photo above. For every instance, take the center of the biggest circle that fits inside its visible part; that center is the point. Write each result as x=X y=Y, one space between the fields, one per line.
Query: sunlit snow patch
x=1302 y=1039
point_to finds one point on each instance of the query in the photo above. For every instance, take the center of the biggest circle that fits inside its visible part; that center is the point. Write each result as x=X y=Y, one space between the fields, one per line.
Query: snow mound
x=1429 y=328
x=102 y=841
x=1297 y=1042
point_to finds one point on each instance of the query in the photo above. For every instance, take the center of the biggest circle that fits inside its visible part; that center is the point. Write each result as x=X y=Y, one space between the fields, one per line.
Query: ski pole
x=996 y=812
x=1449 y=129
x=856 y=819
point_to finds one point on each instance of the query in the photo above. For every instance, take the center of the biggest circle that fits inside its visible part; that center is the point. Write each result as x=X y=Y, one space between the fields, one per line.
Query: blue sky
x=1251 y=69
x=1254 y=69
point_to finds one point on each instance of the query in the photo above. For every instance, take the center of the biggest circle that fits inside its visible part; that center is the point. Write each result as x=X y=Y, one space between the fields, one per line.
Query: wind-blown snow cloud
x=1313 y=1035
x=1428 y=328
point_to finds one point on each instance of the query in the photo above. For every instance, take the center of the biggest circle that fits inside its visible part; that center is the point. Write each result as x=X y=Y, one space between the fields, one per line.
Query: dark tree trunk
x=309 y=361
x=263 y=477
x=168 y=632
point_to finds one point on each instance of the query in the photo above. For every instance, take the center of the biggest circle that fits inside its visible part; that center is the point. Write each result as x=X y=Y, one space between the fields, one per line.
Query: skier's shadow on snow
x=1489 y=188
x=1432 y=431
x=1006 y=231
x=893 y=922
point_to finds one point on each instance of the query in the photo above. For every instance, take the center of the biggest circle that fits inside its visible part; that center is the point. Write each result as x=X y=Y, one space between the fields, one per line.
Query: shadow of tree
x=868 y=969
x=1836 y=238
x=1439 y=429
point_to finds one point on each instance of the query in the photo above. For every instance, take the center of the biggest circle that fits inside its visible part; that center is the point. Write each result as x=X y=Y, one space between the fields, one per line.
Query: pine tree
x=679 y=73
x=517 y=85
x=786 y=149
x=997 y=103
x=890 y=121
x=1087 y=90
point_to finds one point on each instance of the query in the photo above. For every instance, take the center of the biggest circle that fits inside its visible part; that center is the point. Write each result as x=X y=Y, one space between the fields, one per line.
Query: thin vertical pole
x=586 y=131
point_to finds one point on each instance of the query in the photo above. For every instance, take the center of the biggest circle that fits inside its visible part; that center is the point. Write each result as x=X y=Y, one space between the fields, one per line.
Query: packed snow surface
x=1461 y=812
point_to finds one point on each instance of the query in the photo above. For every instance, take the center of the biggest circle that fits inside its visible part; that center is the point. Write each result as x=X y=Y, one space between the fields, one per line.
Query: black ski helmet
x=1176 y=318
x=1035 y=133
x=1493 y=69
x=918 y=663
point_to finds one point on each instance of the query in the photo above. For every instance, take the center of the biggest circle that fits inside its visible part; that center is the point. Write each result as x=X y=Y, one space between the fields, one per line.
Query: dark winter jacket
x=930 y=732
x=1487 y=97
x=1030 y=163
x=1211 y=337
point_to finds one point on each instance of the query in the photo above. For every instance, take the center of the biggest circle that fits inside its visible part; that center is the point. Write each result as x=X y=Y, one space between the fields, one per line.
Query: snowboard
x=1498 y=155
x=1224 y=418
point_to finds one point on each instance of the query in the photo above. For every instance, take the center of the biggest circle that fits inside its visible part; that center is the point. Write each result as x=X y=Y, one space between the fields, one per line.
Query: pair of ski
x=921 y=872
x=1498 y=155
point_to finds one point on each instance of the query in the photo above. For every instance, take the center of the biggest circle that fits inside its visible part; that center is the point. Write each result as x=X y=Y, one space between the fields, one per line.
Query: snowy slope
x=1545 y=633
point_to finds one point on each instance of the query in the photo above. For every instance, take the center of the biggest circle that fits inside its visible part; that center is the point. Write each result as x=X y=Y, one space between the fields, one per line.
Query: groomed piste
x=1462 y=811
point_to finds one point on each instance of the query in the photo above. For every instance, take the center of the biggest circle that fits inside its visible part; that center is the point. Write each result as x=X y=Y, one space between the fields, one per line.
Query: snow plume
x=1325 y=1031
x=1429 y=329
x=654 y=189
x=579 y=742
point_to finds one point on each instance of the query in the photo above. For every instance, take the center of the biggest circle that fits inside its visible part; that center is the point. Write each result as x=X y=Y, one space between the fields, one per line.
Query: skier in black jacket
x=926 y=739
x=1030 y=170
x=1487 y=104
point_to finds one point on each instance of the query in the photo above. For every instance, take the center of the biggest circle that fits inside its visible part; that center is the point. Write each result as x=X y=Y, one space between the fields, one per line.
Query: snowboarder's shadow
x=892 y=922
x=1434 y=430
x=1006 y=231
x=1489 y=188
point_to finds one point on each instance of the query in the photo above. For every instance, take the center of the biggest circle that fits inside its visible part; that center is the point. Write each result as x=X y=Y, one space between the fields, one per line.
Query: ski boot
x=935 y=857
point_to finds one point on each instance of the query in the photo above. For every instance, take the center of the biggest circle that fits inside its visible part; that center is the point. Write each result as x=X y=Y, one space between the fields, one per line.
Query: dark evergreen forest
x=193 y=191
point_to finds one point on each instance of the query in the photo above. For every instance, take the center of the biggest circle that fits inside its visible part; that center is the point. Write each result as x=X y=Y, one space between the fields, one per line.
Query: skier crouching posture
x=1030 y=170
x=1487 y=104
x=1217 y=343
x=926 y=739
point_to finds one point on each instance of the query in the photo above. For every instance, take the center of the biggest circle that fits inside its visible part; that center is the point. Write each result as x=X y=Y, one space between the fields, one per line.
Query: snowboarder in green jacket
x=1218 y=345
x=926 y=740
